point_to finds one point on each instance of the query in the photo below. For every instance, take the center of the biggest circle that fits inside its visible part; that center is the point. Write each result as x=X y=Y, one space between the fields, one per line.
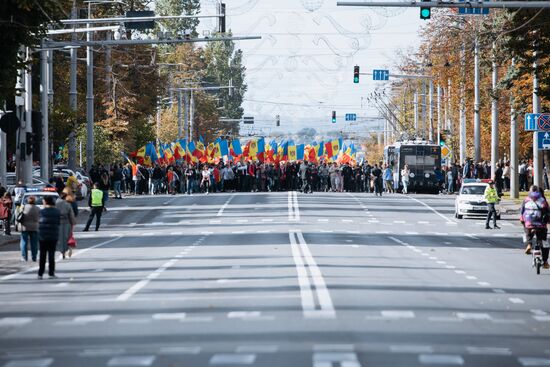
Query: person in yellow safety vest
x=96 y=202
x=492 y=198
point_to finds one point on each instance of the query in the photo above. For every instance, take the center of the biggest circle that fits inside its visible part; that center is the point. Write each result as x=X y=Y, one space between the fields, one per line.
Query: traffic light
x=356 y=74
x=278 y=120
x=425 y=12
x=222 y=19
x=441 y=139
x=333 y=117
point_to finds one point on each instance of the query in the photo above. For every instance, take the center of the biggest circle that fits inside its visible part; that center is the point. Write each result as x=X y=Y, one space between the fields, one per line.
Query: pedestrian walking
x=48 y=234
x=405 y=178
x=492 y=198
x=6 y=206
x=28 y=225
x=96 y=203
x=67 y=221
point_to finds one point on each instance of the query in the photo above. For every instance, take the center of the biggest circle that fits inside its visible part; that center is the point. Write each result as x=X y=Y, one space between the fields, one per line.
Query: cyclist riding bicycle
x=534 y=215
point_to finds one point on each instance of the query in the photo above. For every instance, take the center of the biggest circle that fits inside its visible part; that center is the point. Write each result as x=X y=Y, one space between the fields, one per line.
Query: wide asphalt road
x=282 y=279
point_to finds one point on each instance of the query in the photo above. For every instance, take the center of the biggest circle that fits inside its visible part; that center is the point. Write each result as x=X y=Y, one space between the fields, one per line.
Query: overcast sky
x=302 y=69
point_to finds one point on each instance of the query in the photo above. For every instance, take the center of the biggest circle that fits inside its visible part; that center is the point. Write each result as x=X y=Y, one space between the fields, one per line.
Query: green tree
x=224 y=66
x=23 y=23
x=179 y=7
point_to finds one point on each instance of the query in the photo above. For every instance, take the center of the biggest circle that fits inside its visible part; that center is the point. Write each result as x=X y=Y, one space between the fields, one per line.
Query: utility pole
x=26 y=131
x=431 y=111
x=415 y=105
x=3 y=153
x=537 y=162
x=179 y=114
x=89 y=97
x=477 y=123
x=494 y=117
x=438 y=114
x=514 y=143
x=448 y=112
x=73 y=95
x=44 y=109
x=462 y=108
x=186 y=115
x=191 y=116
x=424 y=105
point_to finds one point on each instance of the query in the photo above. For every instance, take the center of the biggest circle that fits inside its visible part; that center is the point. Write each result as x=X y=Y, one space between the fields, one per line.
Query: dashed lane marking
x=235 y=359
x=441 y=359
x=220 y=212
x=180 y=350
x=528 y=361
x=38 y=362
x=15 y=321
x=128 y=361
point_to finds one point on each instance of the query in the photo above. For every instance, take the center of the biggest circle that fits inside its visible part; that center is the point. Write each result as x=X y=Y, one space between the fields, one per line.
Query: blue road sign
x=531 y=120
x=351 y=117
x=380 y=74
x=544 y=140
x=543 y=122
x=472 y=11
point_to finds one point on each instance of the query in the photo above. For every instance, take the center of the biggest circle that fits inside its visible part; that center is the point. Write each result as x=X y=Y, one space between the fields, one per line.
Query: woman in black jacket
x=48 y=234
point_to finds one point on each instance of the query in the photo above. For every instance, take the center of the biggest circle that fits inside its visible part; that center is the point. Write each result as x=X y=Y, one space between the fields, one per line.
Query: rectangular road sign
x=472 y=11
x=351 y=117
x=378 y=74
x=248 y=119
x=531 y=121
x=543 y=122
x=544 y=140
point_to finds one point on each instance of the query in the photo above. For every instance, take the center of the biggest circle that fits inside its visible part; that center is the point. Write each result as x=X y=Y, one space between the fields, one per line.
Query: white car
x=471 y=200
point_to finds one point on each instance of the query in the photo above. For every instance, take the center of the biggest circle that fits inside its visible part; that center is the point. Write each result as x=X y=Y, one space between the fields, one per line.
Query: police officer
x=492 y=198
x=96 y=202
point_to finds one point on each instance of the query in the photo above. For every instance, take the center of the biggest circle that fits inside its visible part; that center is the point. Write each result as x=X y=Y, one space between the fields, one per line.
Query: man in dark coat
x=48 y=233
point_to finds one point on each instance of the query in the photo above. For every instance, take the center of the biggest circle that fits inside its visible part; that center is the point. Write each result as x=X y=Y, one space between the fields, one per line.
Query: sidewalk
x=510 y=206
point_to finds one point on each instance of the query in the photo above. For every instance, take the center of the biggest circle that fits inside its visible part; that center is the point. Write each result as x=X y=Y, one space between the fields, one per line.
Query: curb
x=10 y=242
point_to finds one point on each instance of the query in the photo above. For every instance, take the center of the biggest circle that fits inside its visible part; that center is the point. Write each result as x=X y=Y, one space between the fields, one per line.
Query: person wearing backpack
x=534 y=214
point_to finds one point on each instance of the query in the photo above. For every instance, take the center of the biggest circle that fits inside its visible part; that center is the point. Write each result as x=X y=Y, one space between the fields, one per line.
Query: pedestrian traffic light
x=441 y=140
x=356 y=74
x=425 y=12
x=333 y=117
x=222 y=19
x=278 y=120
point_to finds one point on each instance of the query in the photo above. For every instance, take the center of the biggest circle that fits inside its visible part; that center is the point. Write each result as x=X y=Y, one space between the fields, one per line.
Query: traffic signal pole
x=44 y=99
x=537 y=162
x=494 y=117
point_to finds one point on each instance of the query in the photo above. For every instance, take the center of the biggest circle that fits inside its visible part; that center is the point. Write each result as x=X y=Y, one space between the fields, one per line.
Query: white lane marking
x=15 y=321
x=131 y=361
x=334 y=347
x=293 y=208
x=473 y=316
x=180 y=350
x=85 y=319
x=411 y=349
x=499 y=291
x=440 y=359
x=443 y=319
x=516 y=300
x=77 y=253
x=322 y=220
x=391 y=314
x=484 y=284
x=330 y=359
x=264 y=231
x=257 y=349
x=198 y=319
x=347 y=220
x=232 y=359
x=542 y=318
x=323 y=295
x=169 y=316
x=326 y=231
x=539 y=312
x=460 y=272
x=101 y=352
x=39 y=362
x=242 y=220
x=528 y=361
x=133 y=321
x=411 y=233
x=471 y=277
x=432 y=209
x=132 y=290
x=244 y=314
x=423 y=222
x=238 y=232
x=220 y=212
x=268 y=220
x=306 y=293
x=214 y=221
x=489 y=351
x=176 y=233
x=399 y=221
